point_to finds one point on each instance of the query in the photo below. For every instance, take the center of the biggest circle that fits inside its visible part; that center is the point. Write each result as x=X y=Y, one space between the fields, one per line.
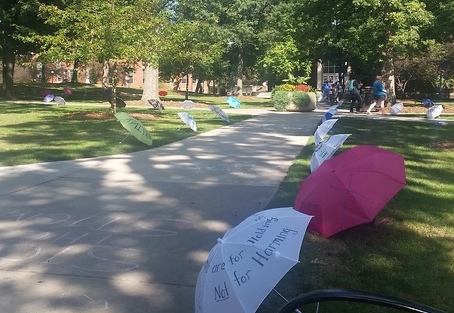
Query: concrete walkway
x=129 y=233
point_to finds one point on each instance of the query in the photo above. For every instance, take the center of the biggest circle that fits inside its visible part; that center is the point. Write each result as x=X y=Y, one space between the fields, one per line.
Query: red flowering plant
x=162 y=93
x=303 y=87
x=299 y=82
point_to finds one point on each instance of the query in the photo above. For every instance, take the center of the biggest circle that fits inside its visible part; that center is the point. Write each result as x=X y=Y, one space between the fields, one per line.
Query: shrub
x=301 y=98
x=280 y=99
x=305 y=88
x=284 y=87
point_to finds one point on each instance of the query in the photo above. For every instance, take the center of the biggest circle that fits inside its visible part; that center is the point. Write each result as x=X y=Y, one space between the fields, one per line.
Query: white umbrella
x=332 y=111
x=251 y=258
x=219 y=112
x=434 y=111
x=326 y=149
x=187 y=104
x=188 y=120
x=323 y=129
x=59 y=100
x=396 y=108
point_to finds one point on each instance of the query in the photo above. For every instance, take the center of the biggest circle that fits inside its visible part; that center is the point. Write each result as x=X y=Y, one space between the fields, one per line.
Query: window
x=331 y=71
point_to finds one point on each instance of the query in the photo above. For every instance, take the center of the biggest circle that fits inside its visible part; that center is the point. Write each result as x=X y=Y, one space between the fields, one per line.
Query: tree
x=194 y=41
x=18 y=22
x=126 y=31
x=373 y=32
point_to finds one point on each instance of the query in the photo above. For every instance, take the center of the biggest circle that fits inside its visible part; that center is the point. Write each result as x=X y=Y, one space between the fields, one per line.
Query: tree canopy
x=226 y=40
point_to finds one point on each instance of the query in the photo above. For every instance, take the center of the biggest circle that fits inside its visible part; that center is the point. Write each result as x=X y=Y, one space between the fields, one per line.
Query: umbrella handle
x=124 y=138
x=283 y=298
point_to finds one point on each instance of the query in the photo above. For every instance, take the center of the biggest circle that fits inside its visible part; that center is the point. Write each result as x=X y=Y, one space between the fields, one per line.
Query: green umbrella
x=135 y=127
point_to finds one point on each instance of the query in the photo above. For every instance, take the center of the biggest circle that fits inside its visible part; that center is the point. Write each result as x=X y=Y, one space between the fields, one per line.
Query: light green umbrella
x=135 y=127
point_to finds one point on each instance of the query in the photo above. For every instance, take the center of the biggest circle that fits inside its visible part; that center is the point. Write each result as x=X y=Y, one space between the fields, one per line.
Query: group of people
x=334 y=94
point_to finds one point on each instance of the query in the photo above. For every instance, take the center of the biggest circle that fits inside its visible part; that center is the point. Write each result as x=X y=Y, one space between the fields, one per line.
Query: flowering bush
x=162 y=93
x=303 y=87
x=284 y=87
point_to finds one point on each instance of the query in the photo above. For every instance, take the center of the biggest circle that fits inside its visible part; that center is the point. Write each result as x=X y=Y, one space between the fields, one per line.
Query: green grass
x=94 y=94
x=31 y=133
x=411 y=256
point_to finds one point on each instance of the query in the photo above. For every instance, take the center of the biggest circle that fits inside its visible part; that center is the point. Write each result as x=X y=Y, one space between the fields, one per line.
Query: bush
x=280 y=100
x=284 y=87
x=305 y=88
x=301 y=98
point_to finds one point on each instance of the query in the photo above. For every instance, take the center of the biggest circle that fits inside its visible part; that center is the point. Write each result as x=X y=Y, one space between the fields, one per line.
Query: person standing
x=378 y=94
x=326 y=90
x=339 y=92
x=355 y=95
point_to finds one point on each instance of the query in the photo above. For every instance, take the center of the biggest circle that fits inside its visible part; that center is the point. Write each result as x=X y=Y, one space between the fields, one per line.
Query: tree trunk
x=74 y=77
x=105 y=75
x=239 y=81
x=151 y=83
x=388 y=69
x=8 y=66
x=113 y=96
x=186 y=93
x=199 y=87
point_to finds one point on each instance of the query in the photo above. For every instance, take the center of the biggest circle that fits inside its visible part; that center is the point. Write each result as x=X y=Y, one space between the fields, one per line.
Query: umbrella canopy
x=156 y=104
x=434 y=111
x=219 y=112
x=187 y=104
x=249 y=261
x=329 y=114
x=326 y=149
x=59 y=100
x=350 y=189
x=233 y=102
x=427 y=103
x=396 y=108
x=119 y=102
x=135 y=127
x=188 y=120
x=48 y=98
x=323 y=129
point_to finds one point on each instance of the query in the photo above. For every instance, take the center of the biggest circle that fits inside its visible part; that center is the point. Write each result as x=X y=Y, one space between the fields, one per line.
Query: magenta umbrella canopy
x=350 y=189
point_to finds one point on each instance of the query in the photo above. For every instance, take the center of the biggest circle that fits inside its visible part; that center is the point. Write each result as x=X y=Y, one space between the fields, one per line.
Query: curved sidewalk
x=129 y=233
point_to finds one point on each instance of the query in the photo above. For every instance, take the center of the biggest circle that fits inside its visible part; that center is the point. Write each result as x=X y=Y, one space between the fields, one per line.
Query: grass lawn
x=412 y=255
x=31 y=133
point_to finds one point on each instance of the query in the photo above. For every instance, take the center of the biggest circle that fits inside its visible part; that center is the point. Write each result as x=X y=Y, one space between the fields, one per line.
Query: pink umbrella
x=350 y=189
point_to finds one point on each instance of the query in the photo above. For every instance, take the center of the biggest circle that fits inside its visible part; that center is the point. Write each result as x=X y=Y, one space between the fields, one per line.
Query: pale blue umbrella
x=48 y=98
x=233 y=102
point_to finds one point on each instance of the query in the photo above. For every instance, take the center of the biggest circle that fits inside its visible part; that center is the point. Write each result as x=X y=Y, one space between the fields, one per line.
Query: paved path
x=129 y=233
